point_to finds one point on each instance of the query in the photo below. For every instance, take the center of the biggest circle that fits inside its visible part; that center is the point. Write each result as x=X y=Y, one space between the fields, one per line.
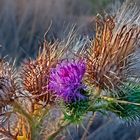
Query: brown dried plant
x=9 y=84
x=9 y=91
x=110 y=56
x=35 y=73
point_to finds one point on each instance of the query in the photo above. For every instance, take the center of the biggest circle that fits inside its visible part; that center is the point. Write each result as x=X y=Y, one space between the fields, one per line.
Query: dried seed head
x=35 y=73
x=110 y=56
x=9 y=85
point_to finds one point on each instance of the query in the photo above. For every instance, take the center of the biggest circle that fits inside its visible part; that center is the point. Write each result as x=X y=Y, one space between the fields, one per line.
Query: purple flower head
x=66 y=80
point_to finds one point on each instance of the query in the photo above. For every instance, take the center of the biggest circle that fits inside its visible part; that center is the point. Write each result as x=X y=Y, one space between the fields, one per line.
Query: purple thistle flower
x=66 y=80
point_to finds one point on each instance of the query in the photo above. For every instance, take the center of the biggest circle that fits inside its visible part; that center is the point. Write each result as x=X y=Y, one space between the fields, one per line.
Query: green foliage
x=127 y=106
x=75 y=111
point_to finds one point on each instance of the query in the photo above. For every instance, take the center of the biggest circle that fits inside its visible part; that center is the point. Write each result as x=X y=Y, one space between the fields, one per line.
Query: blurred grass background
x=23 y=24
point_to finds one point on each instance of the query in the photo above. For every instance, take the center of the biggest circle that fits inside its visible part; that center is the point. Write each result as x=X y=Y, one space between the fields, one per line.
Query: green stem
x=37 y=127
x=18 y=108
x=35 y=131
x=35 y=124
x=110 y=99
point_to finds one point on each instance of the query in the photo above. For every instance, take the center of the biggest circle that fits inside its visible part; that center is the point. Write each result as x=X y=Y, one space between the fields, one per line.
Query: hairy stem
x=110 y=99
x=37 y=128
x=18 y=108
x=35 y=132
x=34 y=124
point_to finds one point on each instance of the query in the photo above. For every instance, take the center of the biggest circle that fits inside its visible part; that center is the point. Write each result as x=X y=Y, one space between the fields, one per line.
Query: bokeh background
x=23 y=24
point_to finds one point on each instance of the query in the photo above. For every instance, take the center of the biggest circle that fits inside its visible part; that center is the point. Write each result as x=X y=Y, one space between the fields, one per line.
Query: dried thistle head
x=35 y=73
x=9 y=83
x=9 y=91
x=110 y=56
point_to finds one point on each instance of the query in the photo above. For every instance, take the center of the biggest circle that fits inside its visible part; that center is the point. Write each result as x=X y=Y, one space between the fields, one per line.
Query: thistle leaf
x=127 y=106
x=75 y=112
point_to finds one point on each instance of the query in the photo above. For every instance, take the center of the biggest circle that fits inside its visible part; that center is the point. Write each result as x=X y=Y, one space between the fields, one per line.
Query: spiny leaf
x=127 y=110
x=76 y=111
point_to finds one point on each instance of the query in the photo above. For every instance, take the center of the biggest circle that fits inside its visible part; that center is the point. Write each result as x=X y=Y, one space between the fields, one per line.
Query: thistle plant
x=66 y=80
x=70 y=83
